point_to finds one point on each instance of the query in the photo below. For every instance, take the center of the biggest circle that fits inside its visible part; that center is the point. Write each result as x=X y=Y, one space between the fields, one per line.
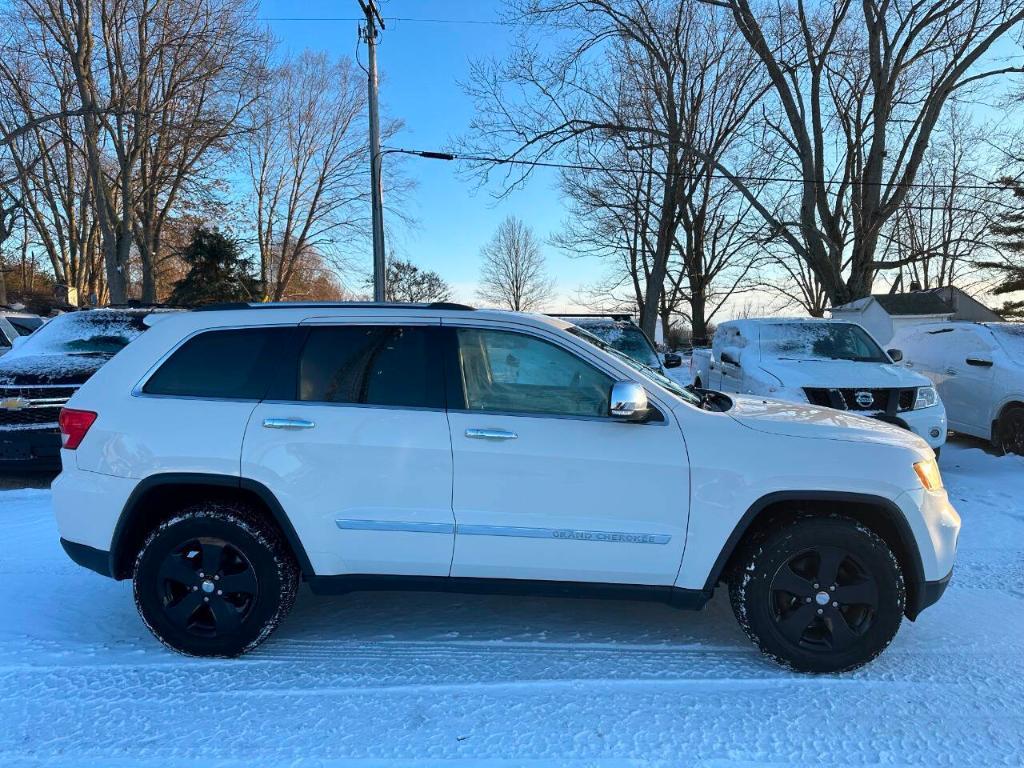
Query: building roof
x=916 y=303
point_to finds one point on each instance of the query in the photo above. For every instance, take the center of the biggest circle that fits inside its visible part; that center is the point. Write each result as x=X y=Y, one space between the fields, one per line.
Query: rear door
x=547 y=485
x=966 y=387
x=354 y=444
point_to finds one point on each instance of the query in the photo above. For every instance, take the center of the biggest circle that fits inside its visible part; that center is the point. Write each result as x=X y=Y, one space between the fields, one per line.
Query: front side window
x=229 y=365
x=371 y=365
x=510 y=372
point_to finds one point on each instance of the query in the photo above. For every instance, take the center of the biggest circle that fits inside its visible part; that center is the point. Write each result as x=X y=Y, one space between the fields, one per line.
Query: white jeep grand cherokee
x=225 y=456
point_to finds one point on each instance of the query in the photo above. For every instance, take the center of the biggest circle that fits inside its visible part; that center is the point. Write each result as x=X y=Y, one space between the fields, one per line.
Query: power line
x=452 y=156
x=493 y=22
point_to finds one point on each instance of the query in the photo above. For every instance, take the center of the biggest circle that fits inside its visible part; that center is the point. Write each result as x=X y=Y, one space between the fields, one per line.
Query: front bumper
x=927 y=423
x=30 y=449
x=96 y=560
x=926 y=594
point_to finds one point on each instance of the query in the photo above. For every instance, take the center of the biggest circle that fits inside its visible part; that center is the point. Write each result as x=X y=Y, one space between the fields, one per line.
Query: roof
x=915 y=303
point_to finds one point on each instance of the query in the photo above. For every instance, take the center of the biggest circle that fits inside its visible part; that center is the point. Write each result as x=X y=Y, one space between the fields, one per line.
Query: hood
x=778 y=417
x=71 y=369
x=842 y=374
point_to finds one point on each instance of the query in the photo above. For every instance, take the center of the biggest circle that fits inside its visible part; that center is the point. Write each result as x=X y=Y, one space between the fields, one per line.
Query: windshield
x=94 y=332
x=635 y=364
x=820 y=341
x=623 y=336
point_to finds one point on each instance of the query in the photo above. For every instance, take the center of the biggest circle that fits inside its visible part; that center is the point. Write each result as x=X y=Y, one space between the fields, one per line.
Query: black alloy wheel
x=818 y=593
x=207 y=586
x=823 y=599
x=214 y=580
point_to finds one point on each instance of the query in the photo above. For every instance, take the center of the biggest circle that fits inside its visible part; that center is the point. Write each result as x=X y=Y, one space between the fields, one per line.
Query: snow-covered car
x=978 y=369
x=44 y=369
x=827 y=363
x=620 y=332
x=226 y=455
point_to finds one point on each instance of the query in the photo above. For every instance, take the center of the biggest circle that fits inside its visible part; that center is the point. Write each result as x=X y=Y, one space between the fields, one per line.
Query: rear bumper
x=928 y=594
x=30 y=449
x=88 y=557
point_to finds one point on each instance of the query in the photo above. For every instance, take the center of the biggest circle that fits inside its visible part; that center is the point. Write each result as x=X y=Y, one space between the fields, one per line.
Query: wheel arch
x=158 y=497
x=878 y=513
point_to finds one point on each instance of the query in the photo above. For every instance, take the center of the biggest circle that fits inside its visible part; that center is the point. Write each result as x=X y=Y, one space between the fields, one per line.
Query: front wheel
x=214 y=581
x=819 y=594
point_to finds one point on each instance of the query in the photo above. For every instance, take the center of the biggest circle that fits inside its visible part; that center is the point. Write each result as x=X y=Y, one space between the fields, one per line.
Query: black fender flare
x=199 y=479
x=911 y=555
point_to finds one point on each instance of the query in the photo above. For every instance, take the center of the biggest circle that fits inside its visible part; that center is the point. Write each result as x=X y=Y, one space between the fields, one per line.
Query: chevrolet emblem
x=14 y=403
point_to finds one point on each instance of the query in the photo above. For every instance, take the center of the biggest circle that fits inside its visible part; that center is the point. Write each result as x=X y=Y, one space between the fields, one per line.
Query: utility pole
x=369 y=33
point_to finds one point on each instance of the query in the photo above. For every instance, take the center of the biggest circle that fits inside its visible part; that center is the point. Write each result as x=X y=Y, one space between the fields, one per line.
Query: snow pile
x=391 y=677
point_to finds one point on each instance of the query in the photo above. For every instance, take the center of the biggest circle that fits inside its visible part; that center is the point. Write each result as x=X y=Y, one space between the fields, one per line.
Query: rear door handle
x=980 y=363
x=288 y=424
x=491 y=434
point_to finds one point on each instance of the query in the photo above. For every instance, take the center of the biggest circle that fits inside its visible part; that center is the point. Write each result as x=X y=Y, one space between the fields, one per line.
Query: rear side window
x=228 y=365
x=371 y=365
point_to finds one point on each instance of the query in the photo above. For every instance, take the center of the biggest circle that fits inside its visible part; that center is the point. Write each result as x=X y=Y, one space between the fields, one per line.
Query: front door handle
x=978 y=362
x=491 y=434
x=288 y=424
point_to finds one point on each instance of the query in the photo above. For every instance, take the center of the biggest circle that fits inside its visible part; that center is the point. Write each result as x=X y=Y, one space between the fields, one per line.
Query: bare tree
x=860 y=88
x=196 y=67
x=513 y=273
x=943 y=230
x=406 y=282
x=635 y=75
x=307 y=158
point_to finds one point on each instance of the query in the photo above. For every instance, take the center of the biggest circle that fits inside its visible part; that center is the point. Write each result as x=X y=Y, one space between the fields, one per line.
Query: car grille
x=29 y=407
x=884 y=400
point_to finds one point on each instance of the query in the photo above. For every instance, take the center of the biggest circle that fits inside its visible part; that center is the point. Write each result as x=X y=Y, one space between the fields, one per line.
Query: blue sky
x=421 y=66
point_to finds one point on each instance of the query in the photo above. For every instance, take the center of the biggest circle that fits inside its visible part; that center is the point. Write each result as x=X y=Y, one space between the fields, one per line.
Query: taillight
x=73 y=426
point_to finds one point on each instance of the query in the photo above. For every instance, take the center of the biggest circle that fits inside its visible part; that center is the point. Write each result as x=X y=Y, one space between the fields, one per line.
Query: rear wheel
x=1010 y=430
x=819 y=594
x=214 y=581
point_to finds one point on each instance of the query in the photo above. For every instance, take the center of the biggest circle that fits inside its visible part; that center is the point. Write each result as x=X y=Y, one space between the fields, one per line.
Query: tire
x=198 y=615
x=1010 y=431
x=800 y=625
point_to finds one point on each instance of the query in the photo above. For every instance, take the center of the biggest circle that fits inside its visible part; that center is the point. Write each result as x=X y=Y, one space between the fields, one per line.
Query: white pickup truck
x=822 y=362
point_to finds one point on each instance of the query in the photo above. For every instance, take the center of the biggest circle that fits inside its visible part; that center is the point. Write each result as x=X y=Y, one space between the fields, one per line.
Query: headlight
x=928 y=472
x=926 y=398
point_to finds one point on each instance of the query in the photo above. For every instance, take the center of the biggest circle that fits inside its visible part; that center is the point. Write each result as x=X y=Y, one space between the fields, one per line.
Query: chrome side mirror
x=628 y=401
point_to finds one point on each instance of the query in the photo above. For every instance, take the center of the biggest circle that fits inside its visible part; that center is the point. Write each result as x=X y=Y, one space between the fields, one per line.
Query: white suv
x=225 y=456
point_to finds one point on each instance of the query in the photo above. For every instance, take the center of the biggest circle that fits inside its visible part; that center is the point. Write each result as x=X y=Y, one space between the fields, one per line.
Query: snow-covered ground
x=390 y=677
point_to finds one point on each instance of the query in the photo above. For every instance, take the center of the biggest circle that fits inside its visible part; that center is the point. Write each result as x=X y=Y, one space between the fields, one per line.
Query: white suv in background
x=978 y=369
x=225 y=456
x=827 y=363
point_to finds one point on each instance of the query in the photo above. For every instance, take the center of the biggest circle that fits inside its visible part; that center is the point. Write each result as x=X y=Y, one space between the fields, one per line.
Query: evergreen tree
x=1009 y=228
x=218 y=272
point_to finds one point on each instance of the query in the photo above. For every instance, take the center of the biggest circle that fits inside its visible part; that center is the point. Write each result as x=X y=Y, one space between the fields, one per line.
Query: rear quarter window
x=228 y=365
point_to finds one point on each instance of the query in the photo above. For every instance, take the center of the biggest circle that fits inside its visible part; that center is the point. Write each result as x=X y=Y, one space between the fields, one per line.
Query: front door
x=547 y=485
x=356 y=449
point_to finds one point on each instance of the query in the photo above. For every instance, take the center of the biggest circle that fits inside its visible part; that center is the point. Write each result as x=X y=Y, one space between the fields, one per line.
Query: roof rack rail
x=612 y=315
x=444 y=305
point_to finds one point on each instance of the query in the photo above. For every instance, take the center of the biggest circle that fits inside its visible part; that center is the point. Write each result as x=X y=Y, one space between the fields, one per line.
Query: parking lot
x=501 y=680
